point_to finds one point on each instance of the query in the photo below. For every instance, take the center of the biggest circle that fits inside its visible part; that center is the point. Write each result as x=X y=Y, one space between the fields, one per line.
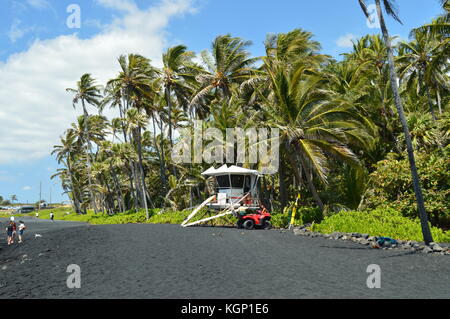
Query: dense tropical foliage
x=347 y=127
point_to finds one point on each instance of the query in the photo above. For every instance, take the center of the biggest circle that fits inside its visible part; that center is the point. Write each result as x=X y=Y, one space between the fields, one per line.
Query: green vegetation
x=390 y=185
x=350 y=132
x=379 y=222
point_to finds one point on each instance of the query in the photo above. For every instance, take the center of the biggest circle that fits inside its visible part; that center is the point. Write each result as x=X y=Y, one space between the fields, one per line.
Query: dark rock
x=336 y=235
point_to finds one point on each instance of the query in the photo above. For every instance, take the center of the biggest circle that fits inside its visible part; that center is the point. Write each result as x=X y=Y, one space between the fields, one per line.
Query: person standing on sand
x=14 y=231
x=9 y=232
x=22 y=227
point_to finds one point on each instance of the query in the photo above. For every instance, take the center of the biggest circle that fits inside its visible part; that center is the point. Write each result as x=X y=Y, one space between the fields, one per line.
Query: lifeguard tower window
x=247 y=184
x=223 y=181
x=237 y=181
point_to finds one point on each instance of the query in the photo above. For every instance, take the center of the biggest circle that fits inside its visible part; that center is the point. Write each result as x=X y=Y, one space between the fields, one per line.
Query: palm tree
x=229 y=62
x=134 y=84
x=87 y=92
x=426 y=59
x=439 y=27
x=391 y=10
x=177 y=73
x=311 y=128
x=136 y=121
x=65 y=154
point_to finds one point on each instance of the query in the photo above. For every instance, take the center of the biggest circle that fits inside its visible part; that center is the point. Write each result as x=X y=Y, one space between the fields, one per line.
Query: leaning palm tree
x=391 y=11
x=66 y=154
x=87 y=92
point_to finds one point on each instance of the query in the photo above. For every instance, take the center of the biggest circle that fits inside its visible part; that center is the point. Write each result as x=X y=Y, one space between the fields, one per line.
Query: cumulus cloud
x=346 y=41
x=35 y=108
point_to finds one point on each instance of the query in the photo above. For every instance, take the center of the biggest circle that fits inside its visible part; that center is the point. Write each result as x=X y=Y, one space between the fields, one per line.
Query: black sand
x=167 y=261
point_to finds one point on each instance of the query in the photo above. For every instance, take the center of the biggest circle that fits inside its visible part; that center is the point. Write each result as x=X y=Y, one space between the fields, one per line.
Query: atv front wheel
x=249 y=224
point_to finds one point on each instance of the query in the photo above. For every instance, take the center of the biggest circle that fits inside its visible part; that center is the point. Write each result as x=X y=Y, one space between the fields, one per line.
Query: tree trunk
x=76 y=200
x=283 y=192
x=119 y=193
x=88 y=155
x=430 y=103
x=169 y=105
x=439 y=101
x=398 y=104
x=162 y=164
x=141 y=167
x=309 y=179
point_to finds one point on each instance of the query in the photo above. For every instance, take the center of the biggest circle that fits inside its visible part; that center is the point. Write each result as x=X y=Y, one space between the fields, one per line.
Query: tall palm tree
x=229 y=62
x=177 y=73
x=391 y=11
x=136 y=121
x=134 y=84
x=87 y=92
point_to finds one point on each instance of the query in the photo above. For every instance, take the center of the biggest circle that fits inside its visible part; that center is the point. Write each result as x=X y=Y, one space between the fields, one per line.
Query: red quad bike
x=254 y=218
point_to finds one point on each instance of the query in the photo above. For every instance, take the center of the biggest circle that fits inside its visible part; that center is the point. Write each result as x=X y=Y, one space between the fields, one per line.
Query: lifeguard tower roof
x=232 y=170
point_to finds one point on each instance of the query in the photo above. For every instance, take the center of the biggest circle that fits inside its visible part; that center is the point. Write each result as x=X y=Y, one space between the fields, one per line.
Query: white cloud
x=39 y=4
x=346 y=41
x=27 y=188
x=35 y=108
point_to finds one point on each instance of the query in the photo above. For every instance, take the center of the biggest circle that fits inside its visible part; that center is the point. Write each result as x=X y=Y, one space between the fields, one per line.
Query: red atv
x=250 y=219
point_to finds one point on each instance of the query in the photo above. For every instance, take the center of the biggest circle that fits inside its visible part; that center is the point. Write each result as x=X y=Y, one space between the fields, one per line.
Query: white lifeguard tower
x=236 y=189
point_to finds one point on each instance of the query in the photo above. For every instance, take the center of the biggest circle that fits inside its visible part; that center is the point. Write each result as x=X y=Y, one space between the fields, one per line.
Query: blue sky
x=40 y=57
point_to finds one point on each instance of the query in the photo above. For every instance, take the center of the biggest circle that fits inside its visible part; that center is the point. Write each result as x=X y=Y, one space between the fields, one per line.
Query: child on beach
x=22 y=227
x=9 y=232
x=14 y=229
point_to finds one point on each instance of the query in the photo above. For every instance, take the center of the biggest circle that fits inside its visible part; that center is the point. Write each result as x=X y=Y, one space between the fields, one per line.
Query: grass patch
x=378 y=222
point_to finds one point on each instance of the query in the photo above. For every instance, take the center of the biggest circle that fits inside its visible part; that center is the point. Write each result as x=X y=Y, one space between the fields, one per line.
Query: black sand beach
x=167 y=261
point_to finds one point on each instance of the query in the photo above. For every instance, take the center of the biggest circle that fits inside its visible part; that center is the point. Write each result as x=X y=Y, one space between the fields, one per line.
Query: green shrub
x=391 y=185
x=303 y=216
x=379 y=222
x=171 y=217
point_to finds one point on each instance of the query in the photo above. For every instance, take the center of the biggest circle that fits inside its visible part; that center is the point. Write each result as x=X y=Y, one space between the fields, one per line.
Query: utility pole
x=40 y=194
